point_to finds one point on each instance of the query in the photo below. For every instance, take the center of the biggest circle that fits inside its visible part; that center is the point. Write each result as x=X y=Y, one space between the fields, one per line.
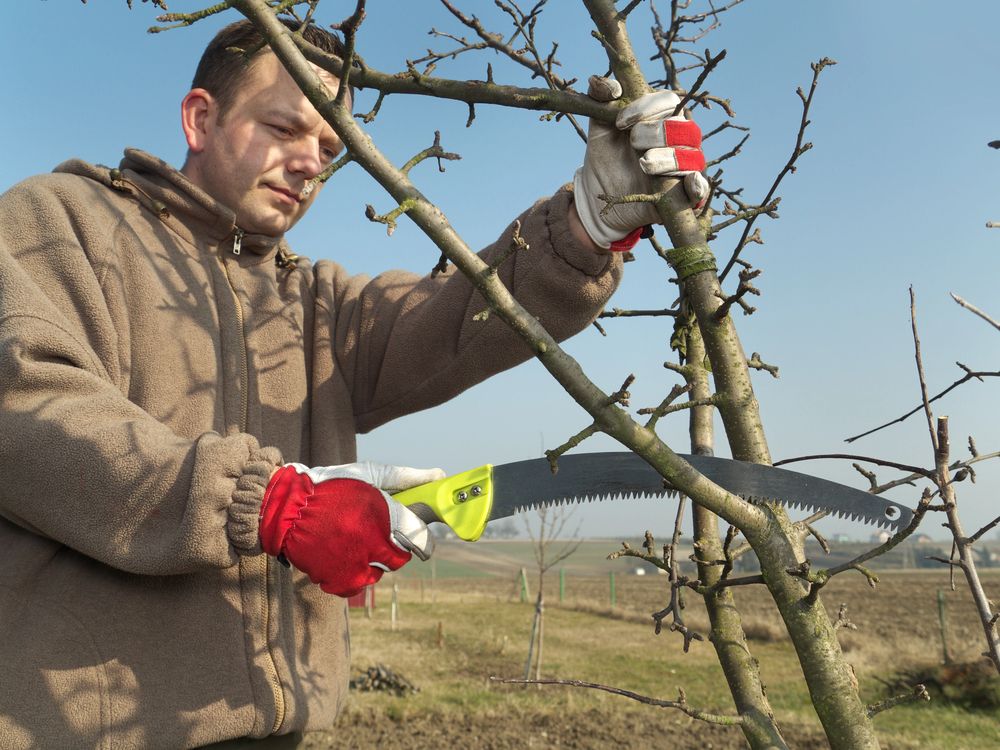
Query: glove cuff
x=631 y=239
x=588 y=206
x=282 y=502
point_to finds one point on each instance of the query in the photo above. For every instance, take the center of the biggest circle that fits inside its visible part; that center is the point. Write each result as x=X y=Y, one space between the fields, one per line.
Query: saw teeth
x=593 y=497
x=857 y=515
x=808 y=507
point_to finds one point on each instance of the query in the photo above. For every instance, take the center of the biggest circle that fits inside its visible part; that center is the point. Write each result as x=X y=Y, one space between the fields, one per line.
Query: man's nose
x=306 y=159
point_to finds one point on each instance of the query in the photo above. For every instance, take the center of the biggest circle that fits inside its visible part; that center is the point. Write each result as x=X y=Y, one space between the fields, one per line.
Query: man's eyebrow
x=292 y=118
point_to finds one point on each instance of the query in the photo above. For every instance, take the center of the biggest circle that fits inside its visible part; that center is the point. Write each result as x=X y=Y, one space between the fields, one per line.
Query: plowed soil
x=577 y=730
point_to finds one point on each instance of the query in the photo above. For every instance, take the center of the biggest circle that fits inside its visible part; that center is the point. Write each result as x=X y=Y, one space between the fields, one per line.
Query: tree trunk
x=541 y=632
x=739 y=666
x=827 y=673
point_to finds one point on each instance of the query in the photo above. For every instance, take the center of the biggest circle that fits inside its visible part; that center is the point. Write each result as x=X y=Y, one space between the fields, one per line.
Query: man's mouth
x=285 y=195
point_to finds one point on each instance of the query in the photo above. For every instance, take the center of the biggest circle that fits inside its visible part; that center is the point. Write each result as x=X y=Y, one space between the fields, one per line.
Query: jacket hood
x=173 y=197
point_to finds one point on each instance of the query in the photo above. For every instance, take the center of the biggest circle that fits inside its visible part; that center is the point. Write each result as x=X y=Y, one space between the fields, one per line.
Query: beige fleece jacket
x=150 y=379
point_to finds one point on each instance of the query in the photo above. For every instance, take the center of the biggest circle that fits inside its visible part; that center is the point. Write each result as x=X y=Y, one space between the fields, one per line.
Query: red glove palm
x=334 y=524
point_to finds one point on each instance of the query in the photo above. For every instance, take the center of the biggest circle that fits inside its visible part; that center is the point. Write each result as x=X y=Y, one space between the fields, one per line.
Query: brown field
x=452 y=635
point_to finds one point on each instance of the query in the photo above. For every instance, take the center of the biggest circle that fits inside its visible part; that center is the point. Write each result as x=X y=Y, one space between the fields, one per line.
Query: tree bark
x=963 y=544
x=741 y=669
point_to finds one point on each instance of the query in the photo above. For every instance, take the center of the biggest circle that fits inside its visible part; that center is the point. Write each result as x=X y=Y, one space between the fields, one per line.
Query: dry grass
x=483 y=630
x=897 y=621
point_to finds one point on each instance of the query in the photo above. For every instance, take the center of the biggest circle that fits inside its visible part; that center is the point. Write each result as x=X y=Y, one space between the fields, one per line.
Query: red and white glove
x=670 y=146
x=337 y=524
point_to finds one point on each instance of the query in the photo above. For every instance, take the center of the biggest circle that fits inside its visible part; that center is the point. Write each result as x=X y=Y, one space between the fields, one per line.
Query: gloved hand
x=337 y=525
x=671 y=146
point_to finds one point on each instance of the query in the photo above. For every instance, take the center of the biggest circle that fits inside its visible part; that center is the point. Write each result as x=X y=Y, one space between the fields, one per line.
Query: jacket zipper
x=269 y=663
x=244 y=363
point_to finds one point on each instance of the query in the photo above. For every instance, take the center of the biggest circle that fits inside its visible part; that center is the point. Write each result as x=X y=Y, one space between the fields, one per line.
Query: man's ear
x=198 y=114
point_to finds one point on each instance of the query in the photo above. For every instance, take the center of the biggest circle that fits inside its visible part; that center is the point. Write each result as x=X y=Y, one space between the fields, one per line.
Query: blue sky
x=896 y=192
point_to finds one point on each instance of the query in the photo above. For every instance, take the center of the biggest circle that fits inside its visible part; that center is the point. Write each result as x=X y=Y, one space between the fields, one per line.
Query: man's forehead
x=329 y=79
x=267 y=72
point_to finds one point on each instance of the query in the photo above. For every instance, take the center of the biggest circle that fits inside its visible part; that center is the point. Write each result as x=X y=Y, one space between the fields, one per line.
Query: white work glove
x=670 y=146
x=339 y=525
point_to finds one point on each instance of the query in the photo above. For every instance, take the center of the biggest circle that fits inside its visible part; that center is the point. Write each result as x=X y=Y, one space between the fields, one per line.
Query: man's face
x=261 y=154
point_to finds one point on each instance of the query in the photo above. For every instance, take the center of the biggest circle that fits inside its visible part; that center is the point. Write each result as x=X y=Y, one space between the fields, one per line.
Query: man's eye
x=329 y=155
x=282 y=131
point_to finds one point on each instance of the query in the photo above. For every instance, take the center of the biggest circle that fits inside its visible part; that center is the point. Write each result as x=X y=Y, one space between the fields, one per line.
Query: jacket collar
x=181 y=204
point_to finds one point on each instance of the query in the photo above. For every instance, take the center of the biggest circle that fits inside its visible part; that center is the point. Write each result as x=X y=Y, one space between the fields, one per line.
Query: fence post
x=946 y=657
x=434 y=575
x=394 y=609
x=611 y=577
x=524 y=585
x=562 y=584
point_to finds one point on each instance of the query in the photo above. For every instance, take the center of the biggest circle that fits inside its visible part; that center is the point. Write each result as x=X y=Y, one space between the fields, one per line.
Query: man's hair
x=224 y=62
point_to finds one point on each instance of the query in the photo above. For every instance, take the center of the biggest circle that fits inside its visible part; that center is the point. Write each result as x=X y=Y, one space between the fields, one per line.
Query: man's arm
x=403 y=343
x=79 y=462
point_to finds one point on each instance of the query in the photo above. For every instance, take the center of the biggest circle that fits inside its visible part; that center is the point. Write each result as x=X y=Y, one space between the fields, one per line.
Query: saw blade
x=588 y=477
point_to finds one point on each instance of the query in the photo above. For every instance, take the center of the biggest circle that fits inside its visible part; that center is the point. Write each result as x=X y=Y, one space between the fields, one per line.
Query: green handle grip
x=463 y=501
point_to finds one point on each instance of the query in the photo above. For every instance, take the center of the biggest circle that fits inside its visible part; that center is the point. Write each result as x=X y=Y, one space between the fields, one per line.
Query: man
x=168 y=373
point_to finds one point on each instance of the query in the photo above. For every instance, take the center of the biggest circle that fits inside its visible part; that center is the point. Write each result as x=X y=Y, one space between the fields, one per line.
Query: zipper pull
x=237 y=241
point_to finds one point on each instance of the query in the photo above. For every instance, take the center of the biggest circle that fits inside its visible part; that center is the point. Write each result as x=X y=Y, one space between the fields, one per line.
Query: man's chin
x=269 y=226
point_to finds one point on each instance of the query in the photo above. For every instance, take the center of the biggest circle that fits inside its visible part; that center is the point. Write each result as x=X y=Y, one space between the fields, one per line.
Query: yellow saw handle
x=463 y=501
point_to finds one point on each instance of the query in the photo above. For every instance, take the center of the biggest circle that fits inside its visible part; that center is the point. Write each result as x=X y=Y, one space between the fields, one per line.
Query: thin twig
x=532 y=61
x=988 y=527
x=681 y=704
x=919 y=694
x=969 y=375
x=925 y=402
x=972 y=308
x=916 y=470
x=797 y=151
x=617 y=312
x=554 y=454
x=957 y=466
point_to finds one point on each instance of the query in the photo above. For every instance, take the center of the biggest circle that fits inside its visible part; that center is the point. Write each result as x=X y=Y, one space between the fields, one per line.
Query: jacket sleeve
x=80 y=463
x=405 y=343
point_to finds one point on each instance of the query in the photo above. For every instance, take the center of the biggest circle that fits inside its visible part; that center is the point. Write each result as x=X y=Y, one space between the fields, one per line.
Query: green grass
x=941 y=726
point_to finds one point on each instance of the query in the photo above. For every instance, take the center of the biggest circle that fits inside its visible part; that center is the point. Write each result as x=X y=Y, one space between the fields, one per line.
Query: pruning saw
x=468 y=501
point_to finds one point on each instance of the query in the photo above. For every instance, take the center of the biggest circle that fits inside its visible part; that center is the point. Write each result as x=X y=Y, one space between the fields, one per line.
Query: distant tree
x=551 y=547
